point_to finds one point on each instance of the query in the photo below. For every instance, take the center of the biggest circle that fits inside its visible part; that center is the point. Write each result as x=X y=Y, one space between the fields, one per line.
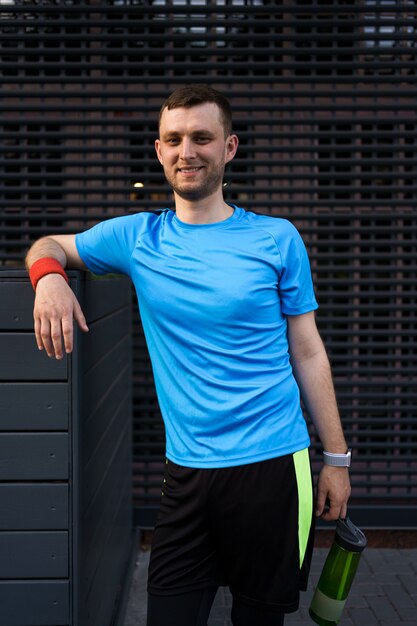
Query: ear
x=232 y=143
x=158 y=151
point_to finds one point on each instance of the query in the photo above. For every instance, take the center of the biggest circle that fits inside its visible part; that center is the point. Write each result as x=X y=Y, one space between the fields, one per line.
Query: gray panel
x=34 y=603
x=99 y=379
x=33 y=507
x=16 y=310
x=96 y=423
x=96 y=301
x=33 y=555
x=105 y=449
x=100 y=511
x=33 y=406
x=33 y=456
x=104 y=335
x=20 y=359
x=111 y=566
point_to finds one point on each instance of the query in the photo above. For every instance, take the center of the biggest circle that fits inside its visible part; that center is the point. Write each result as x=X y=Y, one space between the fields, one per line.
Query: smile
x=189 y=170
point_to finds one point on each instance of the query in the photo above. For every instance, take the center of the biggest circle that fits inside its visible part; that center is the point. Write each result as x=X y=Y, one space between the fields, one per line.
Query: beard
x=195 y=191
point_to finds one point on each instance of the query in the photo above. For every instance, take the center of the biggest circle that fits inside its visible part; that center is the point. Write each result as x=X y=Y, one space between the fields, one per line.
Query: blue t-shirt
x=213 y=300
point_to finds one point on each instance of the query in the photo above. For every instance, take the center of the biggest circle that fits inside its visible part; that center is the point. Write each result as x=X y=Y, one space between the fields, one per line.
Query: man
x=227 y=305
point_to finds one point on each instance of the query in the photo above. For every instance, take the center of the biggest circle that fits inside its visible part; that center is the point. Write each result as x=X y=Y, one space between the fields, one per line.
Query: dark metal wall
x=325 y=105
x=66 y=529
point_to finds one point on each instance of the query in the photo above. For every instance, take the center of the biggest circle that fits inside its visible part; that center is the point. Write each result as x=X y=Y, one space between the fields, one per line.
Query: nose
x=187 y=150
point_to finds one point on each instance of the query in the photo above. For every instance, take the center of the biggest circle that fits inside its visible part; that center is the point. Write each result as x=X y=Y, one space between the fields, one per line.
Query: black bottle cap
x=349 y=536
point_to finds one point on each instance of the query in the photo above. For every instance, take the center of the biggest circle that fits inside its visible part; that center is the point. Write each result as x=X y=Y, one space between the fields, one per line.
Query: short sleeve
x=108 y=246
x=295 y=282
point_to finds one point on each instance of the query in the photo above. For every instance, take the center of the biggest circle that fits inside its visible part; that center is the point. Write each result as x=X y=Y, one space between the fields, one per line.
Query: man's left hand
x=333 y=489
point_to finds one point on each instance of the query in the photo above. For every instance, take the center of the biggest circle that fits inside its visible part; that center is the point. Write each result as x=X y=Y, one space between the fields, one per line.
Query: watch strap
x=338 y=460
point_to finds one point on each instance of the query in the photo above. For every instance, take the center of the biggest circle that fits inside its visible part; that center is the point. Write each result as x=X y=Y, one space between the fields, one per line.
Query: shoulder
x=134 y=222
x=122 y=230
x=278 y=227
x=148 y=218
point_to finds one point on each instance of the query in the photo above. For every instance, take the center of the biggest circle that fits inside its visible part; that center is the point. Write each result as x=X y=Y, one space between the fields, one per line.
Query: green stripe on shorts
x=305 y=499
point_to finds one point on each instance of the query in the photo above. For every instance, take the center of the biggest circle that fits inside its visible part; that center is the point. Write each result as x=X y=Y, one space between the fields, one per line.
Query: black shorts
x=249 y=528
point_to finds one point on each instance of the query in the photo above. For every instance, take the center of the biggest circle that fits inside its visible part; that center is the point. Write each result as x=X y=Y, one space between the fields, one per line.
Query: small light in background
x=138 y=185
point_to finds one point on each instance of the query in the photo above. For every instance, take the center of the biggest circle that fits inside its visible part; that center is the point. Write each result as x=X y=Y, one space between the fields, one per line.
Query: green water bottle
x=338 y=573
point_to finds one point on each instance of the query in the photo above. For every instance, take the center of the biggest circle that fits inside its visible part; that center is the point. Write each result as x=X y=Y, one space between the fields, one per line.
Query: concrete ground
x=384 y=592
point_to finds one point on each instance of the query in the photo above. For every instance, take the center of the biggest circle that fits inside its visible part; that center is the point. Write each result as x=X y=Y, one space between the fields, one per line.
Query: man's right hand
x=55 y=309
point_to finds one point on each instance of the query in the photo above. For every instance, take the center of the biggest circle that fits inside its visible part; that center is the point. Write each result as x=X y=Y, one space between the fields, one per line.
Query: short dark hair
x=193 y=95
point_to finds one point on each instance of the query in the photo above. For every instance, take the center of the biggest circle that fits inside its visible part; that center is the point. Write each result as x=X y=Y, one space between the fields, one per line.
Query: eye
x=202 y=139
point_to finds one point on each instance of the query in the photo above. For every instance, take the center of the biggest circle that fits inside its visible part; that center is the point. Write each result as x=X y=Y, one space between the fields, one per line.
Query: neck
x=206 y=211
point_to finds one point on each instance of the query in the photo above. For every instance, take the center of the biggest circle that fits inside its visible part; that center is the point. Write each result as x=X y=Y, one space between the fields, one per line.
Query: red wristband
x=42 y=267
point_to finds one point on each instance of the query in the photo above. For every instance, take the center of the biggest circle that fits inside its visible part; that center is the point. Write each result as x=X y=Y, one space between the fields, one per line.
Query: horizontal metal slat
x=299 y=9
x=375 y=139
x=28 y=208
x=13 y=151
x=144 y=32
x=250 y=51
x=243 y=176
x=313 y=79
x=332 y=163
x=258 y=67
x=174 y=19
x=252 y=120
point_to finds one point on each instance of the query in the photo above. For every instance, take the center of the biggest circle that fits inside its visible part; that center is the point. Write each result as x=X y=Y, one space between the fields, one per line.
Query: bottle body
x=334 y=585
x=338 y=573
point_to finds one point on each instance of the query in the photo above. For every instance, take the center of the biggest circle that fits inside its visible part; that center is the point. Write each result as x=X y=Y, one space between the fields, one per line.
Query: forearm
x=60 y=247
x=46 y=247
x=313 y=375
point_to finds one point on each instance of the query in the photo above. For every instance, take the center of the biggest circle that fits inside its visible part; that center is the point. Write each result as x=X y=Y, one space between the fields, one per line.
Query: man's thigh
x=183 y=556
x=263 y=529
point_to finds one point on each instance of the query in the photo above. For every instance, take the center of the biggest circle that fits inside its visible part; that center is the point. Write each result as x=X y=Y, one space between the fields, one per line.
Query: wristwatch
x=338 y=460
